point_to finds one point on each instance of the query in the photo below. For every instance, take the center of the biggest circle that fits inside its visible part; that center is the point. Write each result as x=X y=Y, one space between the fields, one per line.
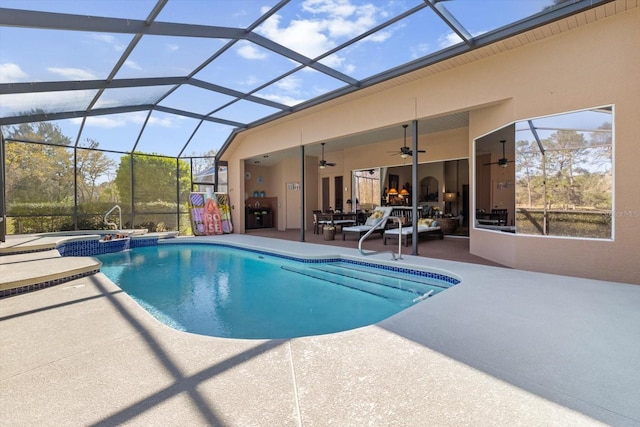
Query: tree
x=38 y=172
x=91 y=165
x=155 y=178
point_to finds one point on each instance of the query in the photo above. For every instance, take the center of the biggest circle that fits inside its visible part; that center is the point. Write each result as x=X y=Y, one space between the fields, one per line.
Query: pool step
x=376 y=289
x=417 y=284
x=27 y=272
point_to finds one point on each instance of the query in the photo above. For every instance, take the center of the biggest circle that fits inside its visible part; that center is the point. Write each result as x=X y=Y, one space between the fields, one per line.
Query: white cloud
x=420 y=50
x=451 y=39
x=448 y=40
x=289 y=84
x=110 y=40
x=283 y=99
x=303 y=36
x=249 y=51
x=133 y=65
x=104 y=38
x=172 y=47
x=72 y=73
x=12 y=73
x=250 y=81
x=327 y=23
x=166 y=121
x=116 y=120
x=333 y=22
x=380 y=36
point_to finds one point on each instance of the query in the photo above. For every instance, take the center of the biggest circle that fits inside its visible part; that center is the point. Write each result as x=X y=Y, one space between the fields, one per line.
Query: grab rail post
x=368 y=233
x=115 y=226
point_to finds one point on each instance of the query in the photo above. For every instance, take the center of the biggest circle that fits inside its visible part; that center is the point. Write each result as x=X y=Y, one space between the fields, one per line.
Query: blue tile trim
x=29 y=251
x=99 y=247
x=403 y=270
x=29 y=288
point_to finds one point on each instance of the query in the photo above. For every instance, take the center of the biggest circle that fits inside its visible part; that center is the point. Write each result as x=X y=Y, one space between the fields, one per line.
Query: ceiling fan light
x=404 y=155
x=503 y=165
x=322 y=166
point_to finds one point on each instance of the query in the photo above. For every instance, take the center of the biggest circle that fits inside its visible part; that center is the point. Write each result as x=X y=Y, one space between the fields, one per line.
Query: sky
x=308 y=27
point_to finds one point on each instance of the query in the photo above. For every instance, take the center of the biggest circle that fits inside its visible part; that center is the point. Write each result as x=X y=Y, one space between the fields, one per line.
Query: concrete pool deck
x=504 y=347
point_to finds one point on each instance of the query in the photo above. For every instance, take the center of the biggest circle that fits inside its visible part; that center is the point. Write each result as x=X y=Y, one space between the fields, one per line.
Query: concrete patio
x=504 y=347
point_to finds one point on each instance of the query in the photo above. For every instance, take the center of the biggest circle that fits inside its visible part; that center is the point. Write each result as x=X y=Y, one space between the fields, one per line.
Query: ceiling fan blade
x=422 y=151
x=330 y=164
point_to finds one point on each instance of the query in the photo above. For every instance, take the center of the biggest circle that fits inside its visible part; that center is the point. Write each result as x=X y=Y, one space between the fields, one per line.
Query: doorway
x=338 y=196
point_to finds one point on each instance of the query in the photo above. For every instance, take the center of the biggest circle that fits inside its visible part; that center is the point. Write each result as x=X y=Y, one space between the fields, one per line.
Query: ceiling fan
x=323 y=163
x=502 y=162
x=404 y=150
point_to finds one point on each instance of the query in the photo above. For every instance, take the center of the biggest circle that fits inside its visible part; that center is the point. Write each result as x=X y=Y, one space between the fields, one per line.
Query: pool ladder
x=113 y=224
x=373 y=229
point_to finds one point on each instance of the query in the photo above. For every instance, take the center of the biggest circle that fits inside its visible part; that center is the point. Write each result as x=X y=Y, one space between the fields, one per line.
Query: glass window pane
x=562 y=183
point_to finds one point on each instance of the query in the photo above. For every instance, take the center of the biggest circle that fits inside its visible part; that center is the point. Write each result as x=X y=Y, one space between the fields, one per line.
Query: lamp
x=393 y=191
x=404 y=192
x=448 y=198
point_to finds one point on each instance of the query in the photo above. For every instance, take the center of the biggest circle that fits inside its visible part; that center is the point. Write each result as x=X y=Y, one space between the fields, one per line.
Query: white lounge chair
x=425 y=226
x=377 y=219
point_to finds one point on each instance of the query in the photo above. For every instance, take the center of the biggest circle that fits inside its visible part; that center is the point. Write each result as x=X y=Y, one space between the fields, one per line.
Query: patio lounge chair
x=425 y=226
x=377 y=219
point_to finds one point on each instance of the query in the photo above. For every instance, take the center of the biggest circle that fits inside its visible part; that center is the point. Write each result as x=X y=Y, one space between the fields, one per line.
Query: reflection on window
x=561 y=180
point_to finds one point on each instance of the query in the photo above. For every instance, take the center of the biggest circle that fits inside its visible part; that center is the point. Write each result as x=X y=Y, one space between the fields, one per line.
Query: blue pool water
x=227 y=292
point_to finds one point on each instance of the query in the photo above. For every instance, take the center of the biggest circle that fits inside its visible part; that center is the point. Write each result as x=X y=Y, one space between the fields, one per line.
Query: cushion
x=435 y=224
x=375 y=216
x=426 y=222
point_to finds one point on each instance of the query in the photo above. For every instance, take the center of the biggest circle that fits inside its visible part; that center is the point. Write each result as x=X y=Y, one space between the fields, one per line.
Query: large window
x=548 y=176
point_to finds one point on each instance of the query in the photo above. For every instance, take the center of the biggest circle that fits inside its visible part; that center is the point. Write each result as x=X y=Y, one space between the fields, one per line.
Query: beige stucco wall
x=588 y=66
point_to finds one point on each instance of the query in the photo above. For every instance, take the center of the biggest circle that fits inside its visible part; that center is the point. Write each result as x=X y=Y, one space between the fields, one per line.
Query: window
x=552 y=175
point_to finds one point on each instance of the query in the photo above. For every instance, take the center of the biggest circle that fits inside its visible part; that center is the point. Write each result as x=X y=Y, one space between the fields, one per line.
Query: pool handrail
x=115 y=226
x=373 y=229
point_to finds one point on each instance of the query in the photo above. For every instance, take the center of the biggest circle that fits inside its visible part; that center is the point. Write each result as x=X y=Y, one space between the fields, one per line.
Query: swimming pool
x=223 y=291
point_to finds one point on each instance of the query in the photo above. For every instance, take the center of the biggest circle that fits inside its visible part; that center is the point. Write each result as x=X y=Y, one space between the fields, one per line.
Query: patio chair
x=377 y=220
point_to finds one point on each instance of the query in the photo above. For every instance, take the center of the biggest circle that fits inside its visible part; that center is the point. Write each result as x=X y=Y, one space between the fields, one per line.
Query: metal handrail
x=115 y=226
x=374 y=228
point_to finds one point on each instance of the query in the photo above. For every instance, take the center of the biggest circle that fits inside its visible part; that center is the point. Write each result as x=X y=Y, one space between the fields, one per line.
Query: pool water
x=227 y=292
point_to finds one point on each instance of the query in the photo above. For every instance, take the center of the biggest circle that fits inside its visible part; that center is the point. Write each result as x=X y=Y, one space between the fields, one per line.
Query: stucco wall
x=589 y=66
